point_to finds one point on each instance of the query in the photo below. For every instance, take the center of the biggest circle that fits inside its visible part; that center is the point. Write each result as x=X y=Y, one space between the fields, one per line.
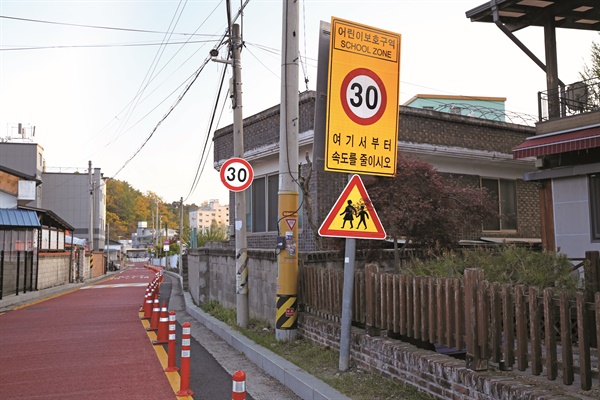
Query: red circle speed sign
x=363 y=96
x=237 y=174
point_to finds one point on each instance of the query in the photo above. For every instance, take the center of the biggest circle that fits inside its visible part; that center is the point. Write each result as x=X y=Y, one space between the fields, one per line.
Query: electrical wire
x=96 y=46
x=300 y=55
x=148 y=77
x=210 y=126
x=94 y=26
x=164 y=117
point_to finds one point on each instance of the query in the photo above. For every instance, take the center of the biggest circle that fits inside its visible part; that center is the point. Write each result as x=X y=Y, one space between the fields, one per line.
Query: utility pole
x=91 y=228
x=180 y=264
x=287 y=260
x=166 y=245
x=241 y=247
x=107 y=244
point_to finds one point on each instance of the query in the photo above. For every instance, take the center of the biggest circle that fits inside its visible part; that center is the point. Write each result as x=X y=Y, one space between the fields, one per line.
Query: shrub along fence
x=541 y=331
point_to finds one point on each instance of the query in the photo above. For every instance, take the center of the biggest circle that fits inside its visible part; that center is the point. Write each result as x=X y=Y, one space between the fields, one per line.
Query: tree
x=593 y=70
x=591 y=74
x=418 y=204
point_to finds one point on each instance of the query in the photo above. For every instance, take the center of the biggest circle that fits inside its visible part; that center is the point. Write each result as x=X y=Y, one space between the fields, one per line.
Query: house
x=26 y=159
x=476 y=149
x=17 y=188
x=566 y=144
x=66 y=194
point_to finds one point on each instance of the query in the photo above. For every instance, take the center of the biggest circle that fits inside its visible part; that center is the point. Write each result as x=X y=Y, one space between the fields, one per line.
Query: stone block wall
x=53 y=269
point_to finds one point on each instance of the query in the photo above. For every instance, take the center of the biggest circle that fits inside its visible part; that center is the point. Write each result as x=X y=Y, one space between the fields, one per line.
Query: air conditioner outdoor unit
x=577 y=96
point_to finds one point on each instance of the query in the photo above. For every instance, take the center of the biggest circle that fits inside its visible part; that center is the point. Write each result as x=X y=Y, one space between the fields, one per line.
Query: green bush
x=506 y=264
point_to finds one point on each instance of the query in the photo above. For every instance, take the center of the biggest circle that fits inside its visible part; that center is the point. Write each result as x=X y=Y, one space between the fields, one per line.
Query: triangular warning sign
x=353 y=215
x=291 y=222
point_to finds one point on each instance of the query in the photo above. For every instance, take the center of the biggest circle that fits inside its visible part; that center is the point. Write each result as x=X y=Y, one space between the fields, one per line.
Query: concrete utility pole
x=287 y=260
x=241 y=247
x=91 y=227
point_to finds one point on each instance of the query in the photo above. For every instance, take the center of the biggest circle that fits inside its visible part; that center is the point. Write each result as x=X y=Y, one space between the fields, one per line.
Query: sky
x=94 y=80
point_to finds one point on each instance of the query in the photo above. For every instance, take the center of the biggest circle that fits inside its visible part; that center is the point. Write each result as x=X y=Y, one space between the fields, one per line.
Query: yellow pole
x=287 y=268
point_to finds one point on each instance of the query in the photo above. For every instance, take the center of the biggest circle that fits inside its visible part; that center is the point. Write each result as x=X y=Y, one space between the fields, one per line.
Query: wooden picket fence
x=513 y=326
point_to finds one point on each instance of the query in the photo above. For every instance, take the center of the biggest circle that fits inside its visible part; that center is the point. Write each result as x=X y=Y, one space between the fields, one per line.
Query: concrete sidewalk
x=296 y=379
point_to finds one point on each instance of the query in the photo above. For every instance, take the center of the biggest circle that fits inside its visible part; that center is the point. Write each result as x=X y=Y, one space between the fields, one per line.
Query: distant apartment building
x=210 y=211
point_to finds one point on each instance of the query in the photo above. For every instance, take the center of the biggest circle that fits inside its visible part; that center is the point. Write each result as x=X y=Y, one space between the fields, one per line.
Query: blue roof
x=10 y=217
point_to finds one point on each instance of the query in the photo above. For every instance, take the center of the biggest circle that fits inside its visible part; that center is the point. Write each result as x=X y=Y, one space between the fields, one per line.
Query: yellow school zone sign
x=362 y=101
x=353 y=215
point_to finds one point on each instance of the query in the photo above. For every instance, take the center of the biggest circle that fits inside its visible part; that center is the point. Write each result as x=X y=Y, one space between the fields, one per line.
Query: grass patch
x=318 y=361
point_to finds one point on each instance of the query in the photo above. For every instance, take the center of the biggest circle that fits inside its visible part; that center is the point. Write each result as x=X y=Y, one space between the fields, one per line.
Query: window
x=595 y=206
x=262 y=205
x=504 y=192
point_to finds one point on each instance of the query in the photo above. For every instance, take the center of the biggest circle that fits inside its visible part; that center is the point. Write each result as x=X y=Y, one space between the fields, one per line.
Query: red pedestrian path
x=87 y=344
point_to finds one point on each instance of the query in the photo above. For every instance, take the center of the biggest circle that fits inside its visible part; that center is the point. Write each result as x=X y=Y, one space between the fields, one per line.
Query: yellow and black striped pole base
x=287 y=312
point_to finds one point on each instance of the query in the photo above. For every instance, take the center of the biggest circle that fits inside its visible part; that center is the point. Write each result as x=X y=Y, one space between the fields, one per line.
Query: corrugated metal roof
x=18 y=218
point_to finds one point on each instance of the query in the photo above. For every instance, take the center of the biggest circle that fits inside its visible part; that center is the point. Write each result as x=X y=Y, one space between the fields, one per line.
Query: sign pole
x=347 y=299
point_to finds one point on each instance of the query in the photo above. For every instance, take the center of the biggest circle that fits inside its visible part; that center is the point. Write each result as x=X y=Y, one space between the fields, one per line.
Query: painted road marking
x=116 y=285
x=173 y=377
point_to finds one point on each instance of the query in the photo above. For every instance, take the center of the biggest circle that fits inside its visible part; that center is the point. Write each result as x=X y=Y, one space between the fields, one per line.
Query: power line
x=164 y=117
x=96 y=26
x=200 y=167
x=104 y=45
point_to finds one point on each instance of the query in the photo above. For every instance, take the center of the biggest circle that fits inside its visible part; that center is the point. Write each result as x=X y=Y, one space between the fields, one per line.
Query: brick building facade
x=477 y=150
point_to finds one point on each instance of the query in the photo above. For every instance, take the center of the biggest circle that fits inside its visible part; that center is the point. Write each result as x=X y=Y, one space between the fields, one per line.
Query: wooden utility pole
x=287 y=260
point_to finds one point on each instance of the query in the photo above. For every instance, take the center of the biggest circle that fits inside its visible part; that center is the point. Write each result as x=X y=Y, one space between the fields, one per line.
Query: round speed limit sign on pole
x=237 y=174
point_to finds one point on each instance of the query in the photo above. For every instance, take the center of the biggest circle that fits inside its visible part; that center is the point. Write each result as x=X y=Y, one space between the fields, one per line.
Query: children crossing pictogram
x=353 y=204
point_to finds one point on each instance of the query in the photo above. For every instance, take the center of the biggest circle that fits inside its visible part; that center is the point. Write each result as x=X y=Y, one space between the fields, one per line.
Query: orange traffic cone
x=148 y=305
x=239 y=386
x=184 y=383
x=155 y=314
x=171 y=366
x=163 y=326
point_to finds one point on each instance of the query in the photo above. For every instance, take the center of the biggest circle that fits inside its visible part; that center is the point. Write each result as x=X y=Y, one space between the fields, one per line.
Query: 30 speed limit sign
x=363 y=96
x=237 y=174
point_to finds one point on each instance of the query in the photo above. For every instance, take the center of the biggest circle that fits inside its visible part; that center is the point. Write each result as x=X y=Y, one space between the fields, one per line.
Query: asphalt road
x=85 y=344
x=90 y=344
x=210 y=355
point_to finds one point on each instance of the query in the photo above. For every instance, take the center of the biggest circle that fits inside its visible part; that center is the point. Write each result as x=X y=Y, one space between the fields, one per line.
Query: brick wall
x=441 y=376
x=445 y=129
x=53 y=269
x=212 y=277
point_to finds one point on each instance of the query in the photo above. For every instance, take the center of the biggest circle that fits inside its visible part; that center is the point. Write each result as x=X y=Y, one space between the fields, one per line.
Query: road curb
x=296 y=379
